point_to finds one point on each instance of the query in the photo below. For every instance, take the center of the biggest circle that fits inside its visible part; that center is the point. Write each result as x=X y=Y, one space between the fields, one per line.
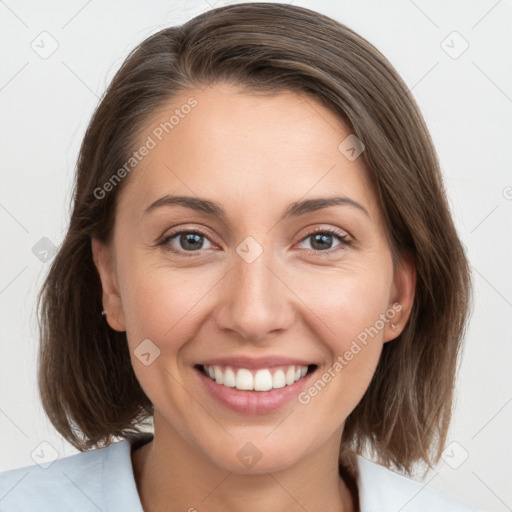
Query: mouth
x=256 y=379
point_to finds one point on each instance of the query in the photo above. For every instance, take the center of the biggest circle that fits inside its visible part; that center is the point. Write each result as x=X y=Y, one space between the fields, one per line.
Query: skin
x=253 y=155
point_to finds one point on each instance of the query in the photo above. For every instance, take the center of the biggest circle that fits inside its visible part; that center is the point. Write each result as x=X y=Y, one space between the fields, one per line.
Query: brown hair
x=87 y=385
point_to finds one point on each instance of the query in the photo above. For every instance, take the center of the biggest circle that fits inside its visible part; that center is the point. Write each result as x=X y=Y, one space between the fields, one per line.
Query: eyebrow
x=295 y=209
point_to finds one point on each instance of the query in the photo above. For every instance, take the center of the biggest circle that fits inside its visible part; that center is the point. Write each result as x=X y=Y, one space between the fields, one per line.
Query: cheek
x=346 y=302
x=165 y=304
x=349 y=310
x=158 y=304
x=159 y=299
x=161 y=304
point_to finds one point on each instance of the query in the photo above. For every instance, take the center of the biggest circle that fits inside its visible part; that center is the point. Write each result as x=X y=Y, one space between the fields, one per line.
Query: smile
x=262 y=379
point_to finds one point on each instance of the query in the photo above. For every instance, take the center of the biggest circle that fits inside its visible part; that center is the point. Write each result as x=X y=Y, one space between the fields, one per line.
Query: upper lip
x=253 y=363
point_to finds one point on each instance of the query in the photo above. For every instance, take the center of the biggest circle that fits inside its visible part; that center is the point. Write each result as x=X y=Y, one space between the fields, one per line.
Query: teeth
x=279 y=380
x=229 y=378
x=260 y=380
x=290 y=375
x=263 y=380
x=244 y=379
x=219 y=376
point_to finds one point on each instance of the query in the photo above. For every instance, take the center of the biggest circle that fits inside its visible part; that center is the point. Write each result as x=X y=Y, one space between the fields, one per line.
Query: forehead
x=236 y=147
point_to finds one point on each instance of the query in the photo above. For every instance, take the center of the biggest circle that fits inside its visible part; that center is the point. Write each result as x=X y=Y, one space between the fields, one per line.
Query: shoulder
x=100 y=479
x=382 y=490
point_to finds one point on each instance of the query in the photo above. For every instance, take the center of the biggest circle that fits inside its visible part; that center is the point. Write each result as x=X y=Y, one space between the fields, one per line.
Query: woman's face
x=256 y=291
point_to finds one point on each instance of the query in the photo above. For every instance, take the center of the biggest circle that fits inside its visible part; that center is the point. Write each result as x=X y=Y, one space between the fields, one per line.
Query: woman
x=262 y=266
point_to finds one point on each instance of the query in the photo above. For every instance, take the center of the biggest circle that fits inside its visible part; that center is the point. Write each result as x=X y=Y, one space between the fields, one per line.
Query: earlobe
x=113 y=310
x=114 y=324
x=402 y=299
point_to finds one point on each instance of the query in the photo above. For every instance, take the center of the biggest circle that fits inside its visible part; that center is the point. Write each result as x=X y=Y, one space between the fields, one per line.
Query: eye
x=192 y=241
x=323 y=238
x=187 y=240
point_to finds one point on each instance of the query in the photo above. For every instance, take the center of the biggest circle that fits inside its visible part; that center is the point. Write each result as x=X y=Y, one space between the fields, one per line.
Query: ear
x=103 y=259
x=401 y=298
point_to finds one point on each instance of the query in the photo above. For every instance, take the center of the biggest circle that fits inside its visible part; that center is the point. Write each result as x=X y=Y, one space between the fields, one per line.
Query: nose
x=256 y=301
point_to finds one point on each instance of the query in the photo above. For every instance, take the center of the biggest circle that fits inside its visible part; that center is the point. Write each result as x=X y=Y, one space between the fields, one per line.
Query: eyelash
x=343 y=239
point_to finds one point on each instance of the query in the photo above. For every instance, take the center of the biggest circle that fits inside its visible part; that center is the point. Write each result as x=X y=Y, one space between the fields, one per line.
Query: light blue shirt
x=102 y=480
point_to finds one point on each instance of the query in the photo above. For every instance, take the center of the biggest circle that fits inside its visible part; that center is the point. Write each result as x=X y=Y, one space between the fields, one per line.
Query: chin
x=251 y=460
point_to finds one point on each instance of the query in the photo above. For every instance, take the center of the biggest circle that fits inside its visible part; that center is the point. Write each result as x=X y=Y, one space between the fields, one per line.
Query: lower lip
x=253 y=402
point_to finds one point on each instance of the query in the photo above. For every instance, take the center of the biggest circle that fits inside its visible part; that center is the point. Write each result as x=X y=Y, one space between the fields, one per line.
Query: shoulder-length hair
x=87 y=385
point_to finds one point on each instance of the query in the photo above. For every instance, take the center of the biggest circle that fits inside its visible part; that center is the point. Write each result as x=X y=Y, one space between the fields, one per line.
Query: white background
x=467 y=103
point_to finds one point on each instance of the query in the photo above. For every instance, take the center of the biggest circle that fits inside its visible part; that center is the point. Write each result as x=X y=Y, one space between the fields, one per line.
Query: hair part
x=87 y=384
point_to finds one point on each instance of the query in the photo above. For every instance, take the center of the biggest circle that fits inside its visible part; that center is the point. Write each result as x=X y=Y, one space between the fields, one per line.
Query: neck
x=173 y=475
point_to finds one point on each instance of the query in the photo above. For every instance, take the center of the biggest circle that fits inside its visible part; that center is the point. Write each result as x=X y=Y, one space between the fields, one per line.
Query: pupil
x=323 y=238
x=188 y=240
x=191 y=241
